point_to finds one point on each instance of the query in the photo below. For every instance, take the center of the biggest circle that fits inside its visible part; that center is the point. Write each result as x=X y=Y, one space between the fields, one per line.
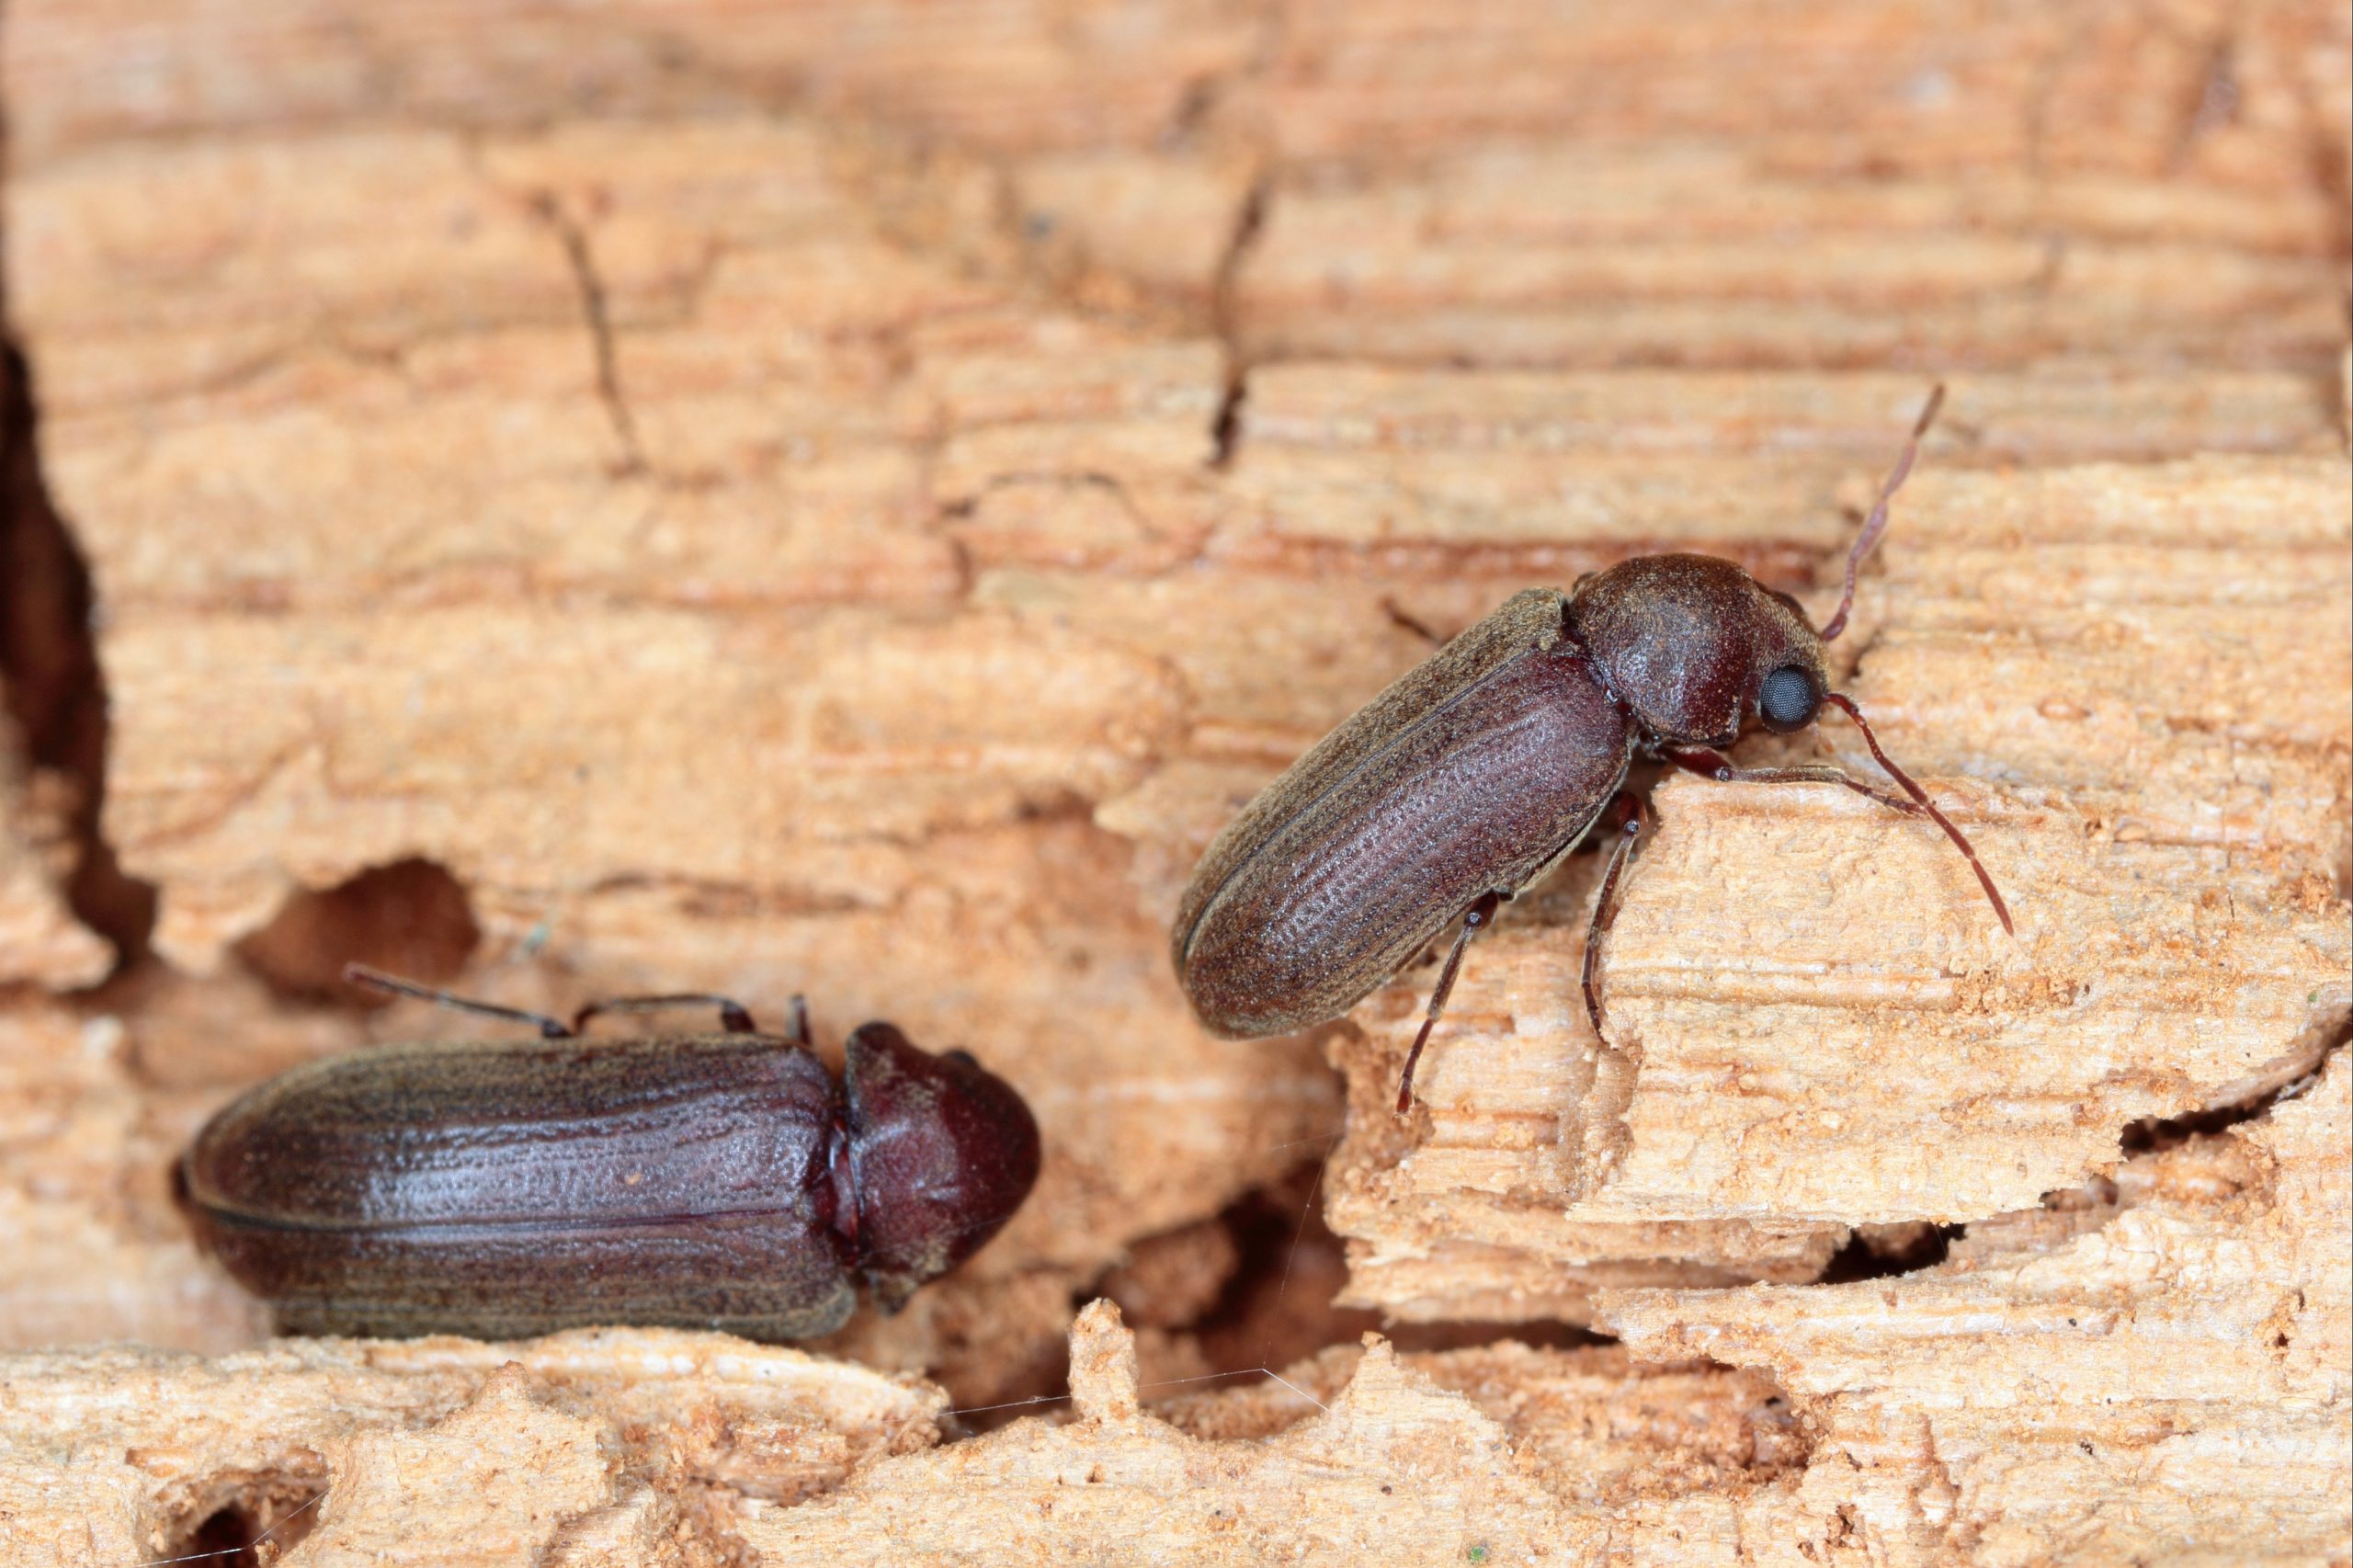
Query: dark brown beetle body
x=1379 y=837
x=1478 y=772
x=504 y=1189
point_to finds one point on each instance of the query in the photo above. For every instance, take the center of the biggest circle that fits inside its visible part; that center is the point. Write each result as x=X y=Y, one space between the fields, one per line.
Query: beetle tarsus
x=1477 y=915
x=1625 y=814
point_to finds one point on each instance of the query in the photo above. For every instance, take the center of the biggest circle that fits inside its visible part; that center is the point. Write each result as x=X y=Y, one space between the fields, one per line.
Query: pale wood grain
x=1813 y=1018
x=41 y=940
x=842 y=497
x=107 y=1457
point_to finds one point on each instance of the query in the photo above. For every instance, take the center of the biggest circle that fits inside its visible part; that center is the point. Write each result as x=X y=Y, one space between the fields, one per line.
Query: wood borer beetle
x=501 y=1189
x=1480 y=770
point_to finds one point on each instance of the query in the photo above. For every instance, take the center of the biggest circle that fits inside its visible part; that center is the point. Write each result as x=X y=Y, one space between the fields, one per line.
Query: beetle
x=1479 y=771
x=507 y=1188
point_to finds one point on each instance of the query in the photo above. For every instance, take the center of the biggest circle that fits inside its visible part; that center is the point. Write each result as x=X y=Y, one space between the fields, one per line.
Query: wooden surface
x=2131 y=1375
x=590 y=1447
x=40 y=942
x=1816 y=1021
x=848 y=498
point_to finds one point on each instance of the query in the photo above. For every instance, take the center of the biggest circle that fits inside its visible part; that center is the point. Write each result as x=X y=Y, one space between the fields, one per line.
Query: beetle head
x=1691 y=644
x=941 y=1152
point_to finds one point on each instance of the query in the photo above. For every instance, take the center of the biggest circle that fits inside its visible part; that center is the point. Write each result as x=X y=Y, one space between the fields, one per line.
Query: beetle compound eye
x=1789 y=700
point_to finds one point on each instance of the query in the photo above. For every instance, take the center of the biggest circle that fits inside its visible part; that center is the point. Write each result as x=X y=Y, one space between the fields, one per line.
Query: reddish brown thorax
x=1686 y=642
x=941 y=1152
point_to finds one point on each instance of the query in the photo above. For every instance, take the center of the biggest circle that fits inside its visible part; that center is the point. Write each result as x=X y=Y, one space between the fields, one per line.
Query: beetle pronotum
x=1481 y=769
x=514 y=1187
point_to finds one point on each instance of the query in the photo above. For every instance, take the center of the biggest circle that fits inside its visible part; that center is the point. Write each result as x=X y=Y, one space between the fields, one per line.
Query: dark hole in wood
x=410 y=918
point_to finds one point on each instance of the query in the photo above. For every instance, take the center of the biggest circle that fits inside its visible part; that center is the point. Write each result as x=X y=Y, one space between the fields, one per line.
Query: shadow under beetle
x=503 y=1189
x=1479 y=771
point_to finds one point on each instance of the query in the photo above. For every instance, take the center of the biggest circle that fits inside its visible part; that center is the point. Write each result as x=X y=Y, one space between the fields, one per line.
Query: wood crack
x=596 y=313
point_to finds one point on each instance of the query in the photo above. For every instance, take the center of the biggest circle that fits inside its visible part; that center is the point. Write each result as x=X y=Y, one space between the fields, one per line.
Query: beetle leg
x=796 y=1026
x=377 y=980
x=1709 y=763
x=1625 y=811
x=733 y=1017
x=1478 y=915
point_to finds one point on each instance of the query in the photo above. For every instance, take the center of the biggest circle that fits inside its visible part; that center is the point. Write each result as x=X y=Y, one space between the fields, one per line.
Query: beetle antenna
x=1478 y=915
x=1960 y=839
x=1876 y=524
x=359 y=974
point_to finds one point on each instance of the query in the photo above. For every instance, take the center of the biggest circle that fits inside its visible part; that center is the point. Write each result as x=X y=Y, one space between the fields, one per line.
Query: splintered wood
x=2178 y=1376
x=847 y=497
x=1984 y=1410
x=2148 y=1352
x=94 y=1250
x=622 y=1446
x=40 y=942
